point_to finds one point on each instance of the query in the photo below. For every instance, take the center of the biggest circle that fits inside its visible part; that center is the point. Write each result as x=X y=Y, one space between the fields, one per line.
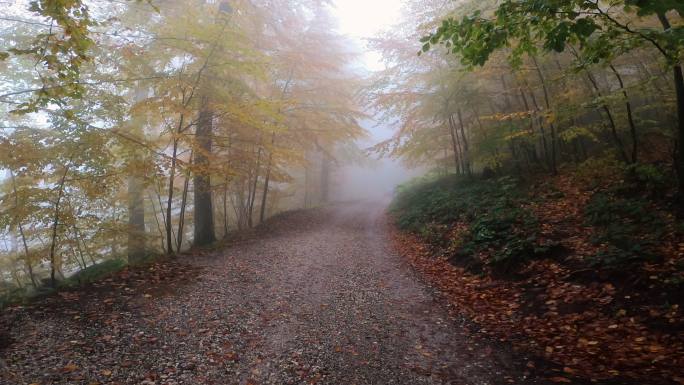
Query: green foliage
x=12 y=296
x=428 y=200
x=499 y=225
x=647 y=177
x=505 y=228
x=94 y=272
x=523 y=24
x=631 y=179
x=627 y=227
x=597 y=170
x=626 y=223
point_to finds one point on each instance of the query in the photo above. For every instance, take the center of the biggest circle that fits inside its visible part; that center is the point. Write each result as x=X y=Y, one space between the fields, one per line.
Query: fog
x=376 y=177
x=376 y=182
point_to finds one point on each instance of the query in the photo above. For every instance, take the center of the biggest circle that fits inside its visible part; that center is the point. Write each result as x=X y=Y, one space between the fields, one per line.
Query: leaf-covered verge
x=583 y=270
x=80 y=280
x=100 y=304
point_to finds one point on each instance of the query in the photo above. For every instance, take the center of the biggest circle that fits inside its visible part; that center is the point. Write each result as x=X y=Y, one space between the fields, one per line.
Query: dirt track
x=317 y=297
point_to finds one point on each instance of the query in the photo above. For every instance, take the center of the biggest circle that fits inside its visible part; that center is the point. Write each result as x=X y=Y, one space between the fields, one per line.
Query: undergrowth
x=627 y=210
x=501 y=232
x=94 y=273
x=88 y=275
x=625 y=214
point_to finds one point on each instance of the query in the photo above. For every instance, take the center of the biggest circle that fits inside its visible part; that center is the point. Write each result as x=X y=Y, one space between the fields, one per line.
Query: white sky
x=362 y=19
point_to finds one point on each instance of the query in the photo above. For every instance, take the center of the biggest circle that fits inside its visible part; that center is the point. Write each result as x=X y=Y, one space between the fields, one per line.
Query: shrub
x=498 y=224
x=94 y=272
x=597 y=171
x=645 y=179
x=628 y=227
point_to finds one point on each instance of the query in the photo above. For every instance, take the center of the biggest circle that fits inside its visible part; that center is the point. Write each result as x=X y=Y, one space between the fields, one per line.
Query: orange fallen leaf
x=70 y=367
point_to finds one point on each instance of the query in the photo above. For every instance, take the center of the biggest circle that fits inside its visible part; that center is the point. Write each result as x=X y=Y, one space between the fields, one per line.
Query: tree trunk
x=254 y=188
x=55 y=225
x=466 y=150
x=630 y=115
x=679 y=90
x=325 y=179
x=169 y=202
x=307 y=176
x=80 y=262
x=27 y=261
x=533 y=155
x=156 y=219
x=508 y=109
x=454 y=144
x=204 y=212
x=554 y=136
x=87 y=249
x=225 y=208
x=267 y=179
x=136 y=219
x=613 y=127
x=78 y=247
x=181 y=217
x=542 y=131
x=507 y=96
x=136 y=202
x=679 y=86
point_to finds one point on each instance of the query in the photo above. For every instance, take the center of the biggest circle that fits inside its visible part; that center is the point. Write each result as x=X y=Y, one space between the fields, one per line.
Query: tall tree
x=204 y=209
x=599 y=29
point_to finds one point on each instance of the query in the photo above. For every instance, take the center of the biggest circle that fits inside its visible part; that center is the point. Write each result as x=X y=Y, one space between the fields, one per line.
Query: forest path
x=317 y=297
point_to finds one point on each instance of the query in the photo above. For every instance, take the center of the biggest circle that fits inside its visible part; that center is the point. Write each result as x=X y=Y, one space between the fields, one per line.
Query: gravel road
x=317 y=297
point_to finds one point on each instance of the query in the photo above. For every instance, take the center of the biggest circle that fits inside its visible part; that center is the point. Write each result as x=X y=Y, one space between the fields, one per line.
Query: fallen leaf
x=70 y=367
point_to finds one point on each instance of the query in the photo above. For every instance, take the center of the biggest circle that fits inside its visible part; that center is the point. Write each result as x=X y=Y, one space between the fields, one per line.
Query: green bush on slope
x=501 y=232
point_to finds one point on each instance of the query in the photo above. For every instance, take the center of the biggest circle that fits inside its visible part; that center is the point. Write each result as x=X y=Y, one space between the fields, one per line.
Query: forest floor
x=313 y=297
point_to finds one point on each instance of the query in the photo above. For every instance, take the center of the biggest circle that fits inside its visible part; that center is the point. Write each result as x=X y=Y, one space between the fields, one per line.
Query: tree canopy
x=147 y=124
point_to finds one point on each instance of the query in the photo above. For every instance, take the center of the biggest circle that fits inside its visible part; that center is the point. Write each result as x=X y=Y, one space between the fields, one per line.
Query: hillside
x=585 y=271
